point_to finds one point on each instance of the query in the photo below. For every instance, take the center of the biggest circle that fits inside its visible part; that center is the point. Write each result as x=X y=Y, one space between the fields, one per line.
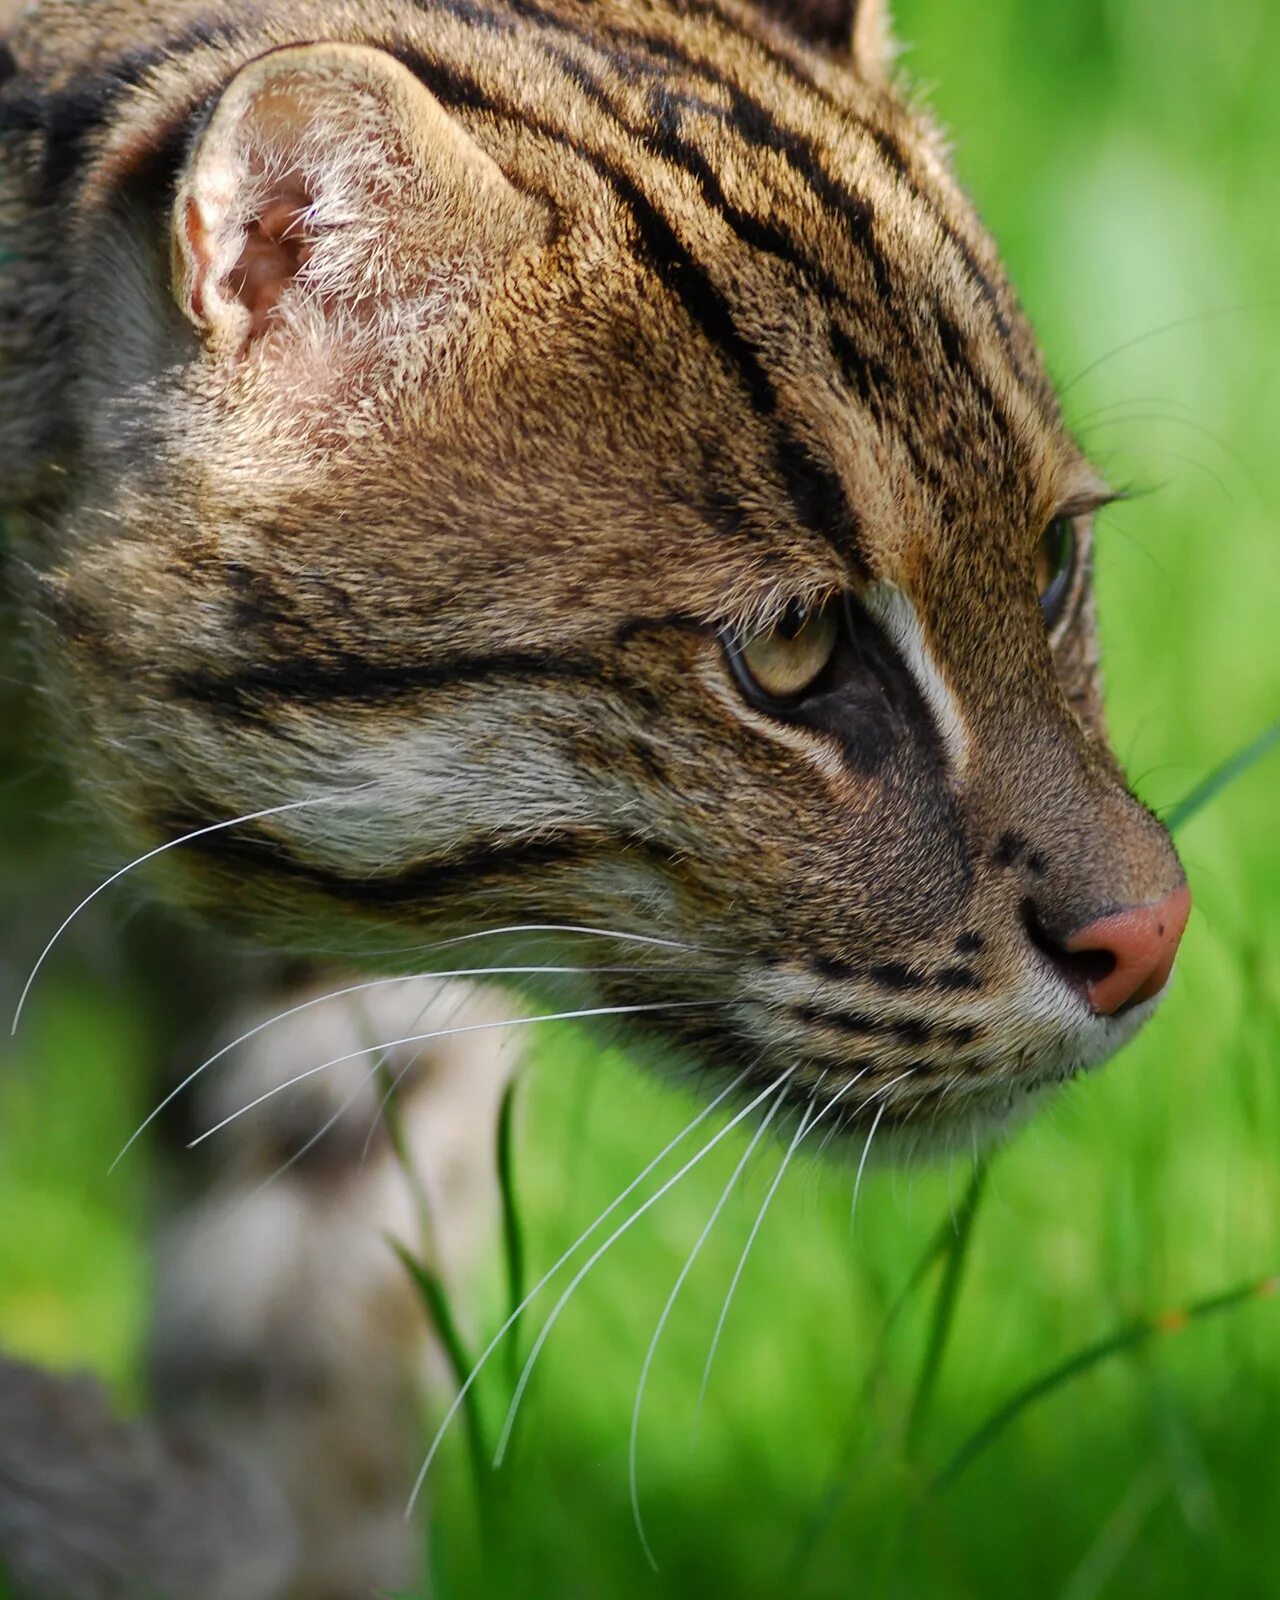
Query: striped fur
x=618 y=326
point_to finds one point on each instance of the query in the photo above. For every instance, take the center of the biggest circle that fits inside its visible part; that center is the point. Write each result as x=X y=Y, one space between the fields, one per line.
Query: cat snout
x=1119 y=960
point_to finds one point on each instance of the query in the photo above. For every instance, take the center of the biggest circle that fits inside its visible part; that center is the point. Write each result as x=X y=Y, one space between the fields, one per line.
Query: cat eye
x=779 y=665
x=1055 y=568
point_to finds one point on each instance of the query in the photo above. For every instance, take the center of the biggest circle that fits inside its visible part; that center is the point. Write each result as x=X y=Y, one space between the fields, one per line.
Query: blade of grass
x=1129 y=1337
x=512 y=1229
x=841 y=1477
x=432 y=1291
x=435 y=1300
x=389 y=1110
x=944 y=1308
x=1222 y=778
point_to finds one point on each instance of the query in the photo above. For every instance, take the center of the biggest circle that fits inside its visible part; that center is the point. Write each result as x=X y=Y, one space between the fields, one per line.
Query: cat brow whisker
x=1158 y=333
x=460 y=1398
x=159 y=850
x=554 y=1315
x=633 y=1445
x=361 y=988
x=444 y=1033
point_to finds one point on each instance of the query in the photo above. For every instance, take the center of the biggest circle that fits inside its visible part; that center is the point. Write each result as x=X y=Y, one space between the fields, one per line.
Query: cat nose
x=1126 y=957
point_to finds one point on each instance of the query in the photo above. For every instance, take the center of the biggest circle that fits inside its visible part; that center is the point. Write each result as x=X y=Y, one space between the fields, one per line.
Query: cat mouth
x=930 y=1100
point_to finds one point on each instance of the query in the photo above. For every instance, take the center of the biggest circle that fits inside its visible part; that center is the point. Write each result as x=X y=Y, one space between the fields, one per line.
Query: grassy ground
x=1125 y=152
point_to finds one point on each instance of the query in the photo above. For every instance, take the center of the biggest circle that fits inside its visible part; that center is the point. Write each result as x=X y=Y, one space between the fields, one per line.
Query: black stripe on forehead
x=760 y=128
x=815 y=491
x=748 y=117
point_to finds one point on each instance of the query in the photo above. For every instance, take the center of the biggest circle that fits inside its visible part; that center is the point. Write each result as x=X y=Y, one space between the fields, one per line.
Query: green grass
x=1125 y=152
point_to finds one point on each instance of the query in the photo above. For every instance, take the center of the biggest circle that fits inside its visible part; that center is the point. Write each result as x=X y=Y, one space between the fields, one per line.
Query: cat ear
x=860 y=27
x=328 y=188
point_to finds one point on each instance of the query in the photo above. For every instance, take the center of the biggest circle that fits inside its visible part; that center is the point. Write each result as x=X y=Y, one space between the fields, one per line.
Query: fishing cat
x=490 y=466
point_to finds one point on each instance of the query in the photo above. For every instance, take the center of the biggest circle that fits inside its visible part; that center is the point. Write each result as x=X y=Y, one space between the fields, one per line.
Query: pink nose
x=1131 y=952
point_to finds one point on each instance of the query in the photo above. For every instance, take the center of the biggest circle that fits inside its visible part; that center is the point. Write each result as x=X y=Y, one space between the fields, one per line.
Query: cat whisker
x=555 y=1313
x=862 y=1163
x=460 y=1398
x=802 y=1129
x=159 y=850
x=808 y=1123
x=397 y=1079
x=363 y=988
x=337 y=1116
x=632 y=1452
x=1158 y=332
x=445 y=1033
x=551 y=929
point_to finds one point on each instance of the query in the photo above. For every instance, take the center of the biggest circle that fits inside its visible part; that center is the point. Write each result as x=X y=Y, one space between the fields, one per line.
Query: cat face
x=597 y=464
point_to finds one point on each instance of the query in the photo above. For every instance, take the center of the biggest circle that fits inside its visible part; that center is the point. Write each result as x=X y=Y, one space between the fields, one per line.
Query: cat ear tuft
x=857 y=27
x=328 y=178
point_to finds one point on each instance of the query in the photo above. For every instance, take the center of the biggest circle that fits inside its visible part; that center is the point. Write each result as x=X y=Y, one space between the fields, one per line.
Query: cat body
x=492 y=467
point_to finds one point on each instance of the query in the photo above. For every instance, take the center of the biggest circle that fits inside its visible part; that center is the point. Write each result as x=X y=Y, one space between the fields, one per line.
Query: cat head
x=588 y=468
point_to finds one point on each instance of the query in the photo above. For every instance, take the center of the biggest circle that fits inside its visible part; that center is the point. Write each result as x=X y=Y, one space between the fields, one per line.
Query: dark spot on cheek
x=1037 y=864
x=913 y=1031
x=958 y=978
x=893 y=975
x=969 y=944
x=647 y=700
x=1008 y=850
x=845 y=1021
x=962 y=1035
x=647 y=759
x=829 y=967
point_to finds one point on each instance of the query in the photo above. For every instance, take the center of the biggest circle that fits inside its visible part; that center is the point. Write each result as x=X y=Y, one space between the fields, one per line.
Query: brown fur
x=603 y=330
x=406 y=407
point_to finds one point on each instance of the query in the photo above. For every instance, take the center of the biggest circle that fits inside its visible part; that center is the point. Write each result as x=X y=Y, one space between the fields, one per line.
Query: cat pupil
x=794 y=620
x=1055 y=565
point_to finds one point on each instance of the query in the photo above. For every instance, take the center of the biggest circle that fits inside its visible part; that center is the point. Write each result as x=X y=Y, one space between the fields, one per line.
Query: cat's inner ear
x=330 y=184
x=859 y=27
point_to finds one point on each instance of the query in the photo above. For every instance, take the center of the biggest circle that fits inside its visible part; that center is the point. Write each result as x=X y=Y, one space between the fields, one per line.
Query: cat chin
x=980 y=1117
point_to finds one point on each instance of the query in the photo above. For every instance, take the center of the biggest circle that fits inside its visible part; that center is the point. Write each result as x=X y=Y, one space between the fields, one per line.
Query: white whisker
x=359 y=988
x=159 y=850
x=397 y=1078
x=866 y=1151
x=632 y=1451
x=460 y=1398
x=807 y=1125
x=566 y=1296
x=305 y=1150
x=551 y=928
x=444 y=1033
x=806 y=1121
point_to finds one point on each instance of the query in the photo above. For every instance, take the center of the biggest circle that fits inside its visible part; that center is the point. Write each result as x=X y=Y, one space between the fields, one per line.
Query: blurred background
x=1125 y=153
